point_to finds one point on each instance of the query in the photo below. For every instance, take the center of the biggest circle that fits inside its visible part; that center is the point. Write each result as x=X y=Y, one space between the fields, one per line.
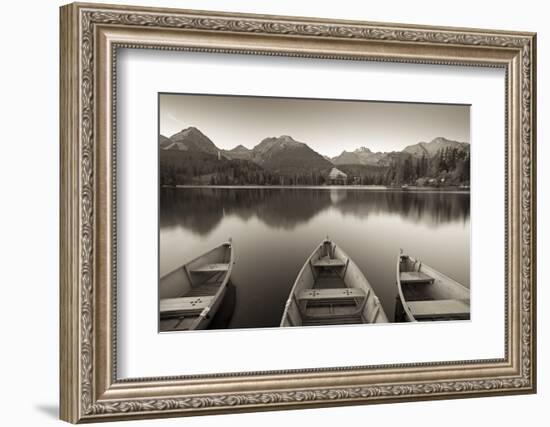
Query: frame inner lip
x=342 y=370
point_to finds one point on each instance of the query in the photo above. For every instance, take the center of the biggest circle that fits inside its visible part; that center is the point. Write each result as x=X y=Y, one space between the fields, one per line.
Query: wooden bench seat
x=328 y=262
x=439 y=308
x=337 y=293
x=184 y=305
x=211 y=268
x=415 y=277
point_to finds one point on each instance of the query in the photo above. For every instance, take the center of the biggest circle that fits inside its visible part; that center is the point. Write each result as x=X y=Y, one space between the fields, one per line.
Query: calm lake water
x=274 y=230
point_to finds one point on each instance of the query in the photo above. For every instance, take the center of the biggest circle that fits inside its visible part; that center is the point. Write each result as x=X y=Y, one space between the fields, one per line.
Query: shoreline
x=411 y=189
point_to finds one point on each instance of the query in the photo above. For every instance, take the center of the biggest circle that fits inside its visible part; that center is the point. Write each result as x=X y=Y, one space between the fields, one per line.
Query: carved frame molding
x=90 y=37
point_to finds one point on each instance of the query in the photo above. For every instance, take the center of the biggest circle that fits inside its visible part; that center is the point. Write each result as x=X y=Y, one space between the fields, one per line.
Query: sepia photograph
x=295 y=212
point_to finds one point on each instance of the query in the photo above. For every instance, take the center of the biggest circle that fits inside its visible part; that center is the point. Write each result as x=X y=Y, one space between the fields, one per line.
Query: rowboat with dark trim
x=331 y=290
x=426 y=294
x=191 y=294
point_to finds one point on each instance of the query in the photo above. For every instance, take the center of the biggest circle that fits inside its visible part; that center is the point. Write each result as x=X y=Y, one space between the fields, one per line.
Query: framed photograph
x=326 y=191
x=265 y=212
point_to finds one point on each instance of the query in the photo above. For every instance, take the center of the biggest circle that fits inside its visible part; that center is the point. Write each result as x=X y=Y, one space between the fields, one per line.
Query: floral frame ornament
x=90 y=36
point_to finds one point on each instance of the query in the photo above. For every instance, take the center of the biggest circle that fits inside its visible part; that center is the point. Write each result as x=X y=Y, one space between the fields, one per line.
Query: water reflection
x=200 y=210
x=275 y=229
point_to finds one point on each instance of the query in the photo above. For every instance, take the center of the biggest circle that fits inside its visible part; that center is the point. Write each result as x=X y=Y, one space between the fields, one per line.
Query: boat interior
x=186 y=292
x=430 y=295
x=329 y=292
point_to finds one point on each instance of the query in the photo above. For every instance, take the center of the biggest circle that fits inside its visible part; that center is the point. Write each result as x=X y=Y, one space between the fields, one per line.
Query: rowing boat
x=427 y=294
x=190 y=295
x=331 y=290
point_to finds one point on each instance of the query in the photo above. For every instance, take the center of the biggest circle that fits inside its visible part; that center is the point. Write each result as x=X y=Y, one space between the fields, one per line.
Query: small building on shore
x=337 y=177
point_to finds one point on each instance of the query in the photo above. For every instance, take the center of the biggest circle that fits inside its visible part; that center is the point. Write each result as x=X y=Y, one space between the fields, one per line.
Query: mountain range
x=190 y=139
x=278 y=154
x=364 y=156
x=194 y=153
x=361 y=156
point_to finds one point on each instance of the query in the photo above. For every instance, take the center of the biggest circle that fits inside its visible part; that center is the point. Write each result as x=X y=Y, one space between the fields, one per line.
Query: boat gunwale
x=299 y=275
x=221 y=288
x=372 y=293
x=400 y=288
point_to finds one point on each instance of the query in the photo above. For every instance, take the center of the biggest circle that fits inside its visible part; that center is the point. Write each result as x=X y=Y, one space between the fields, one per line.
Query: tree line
x=232 y=172
x=450 y=166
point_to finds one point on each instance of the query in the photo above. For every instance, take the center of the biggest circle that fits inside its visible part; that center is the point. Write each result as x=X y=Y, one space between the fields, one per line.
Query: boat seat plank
x=328 y=262
x=415 y=277
x=351 y=320
x=211 y=268
x=337 y=293
x=184 y=304
x=439 y=308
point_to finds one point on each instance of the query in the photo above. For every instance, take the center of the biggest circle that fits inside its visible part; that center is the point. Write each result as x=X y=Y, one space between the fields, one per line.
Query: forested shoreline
x=449 y=167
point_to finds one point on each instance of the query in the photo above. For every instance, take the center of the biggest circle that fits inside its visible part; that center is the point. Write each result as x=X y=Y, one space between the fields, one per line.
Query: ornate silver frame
x=90 y=36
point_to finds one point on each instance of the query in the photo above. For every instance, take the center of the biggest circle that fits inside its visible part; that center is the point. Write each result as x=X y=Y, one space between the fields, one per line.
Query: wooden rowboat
x=427 y=294
x=331 y=290
x=191 y=294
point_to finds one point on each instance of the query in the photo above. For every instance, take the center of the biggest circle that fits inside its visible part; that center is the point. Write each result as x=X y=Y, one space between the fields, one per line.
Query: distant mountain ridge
x=360 y=156
x=279 y=160
x=190 y=139
x=239 y=152
x=270 y=149
x=364 y=156
x=430 y=149
x=285 y=154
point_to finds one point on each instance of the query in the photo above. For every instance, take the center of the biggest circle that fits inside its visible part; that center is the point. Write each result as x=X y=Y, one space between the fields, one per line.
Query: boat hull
x=426 y=294
x=206 y=320
x=331 y=290
x=190 y=295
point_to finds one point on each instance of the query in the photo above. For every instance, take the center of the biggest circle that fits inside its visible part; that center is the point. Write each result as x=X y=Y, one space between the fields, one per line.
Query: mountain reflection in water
x=275 y=229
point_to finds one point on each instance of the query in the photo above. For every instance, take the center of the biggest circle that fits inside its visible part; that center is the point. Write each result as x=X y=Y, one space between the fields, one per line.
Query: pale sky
x=327 y=126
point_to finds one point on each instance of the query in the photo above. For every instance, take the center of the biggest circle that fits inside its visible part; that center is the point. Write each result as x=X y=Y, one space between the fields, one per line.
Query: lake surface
x=275 y=229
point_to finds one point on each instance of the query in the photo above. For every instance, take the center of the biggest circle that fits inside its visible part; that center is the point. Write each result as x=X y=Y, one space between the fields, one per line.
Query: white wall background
x=29 y=170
